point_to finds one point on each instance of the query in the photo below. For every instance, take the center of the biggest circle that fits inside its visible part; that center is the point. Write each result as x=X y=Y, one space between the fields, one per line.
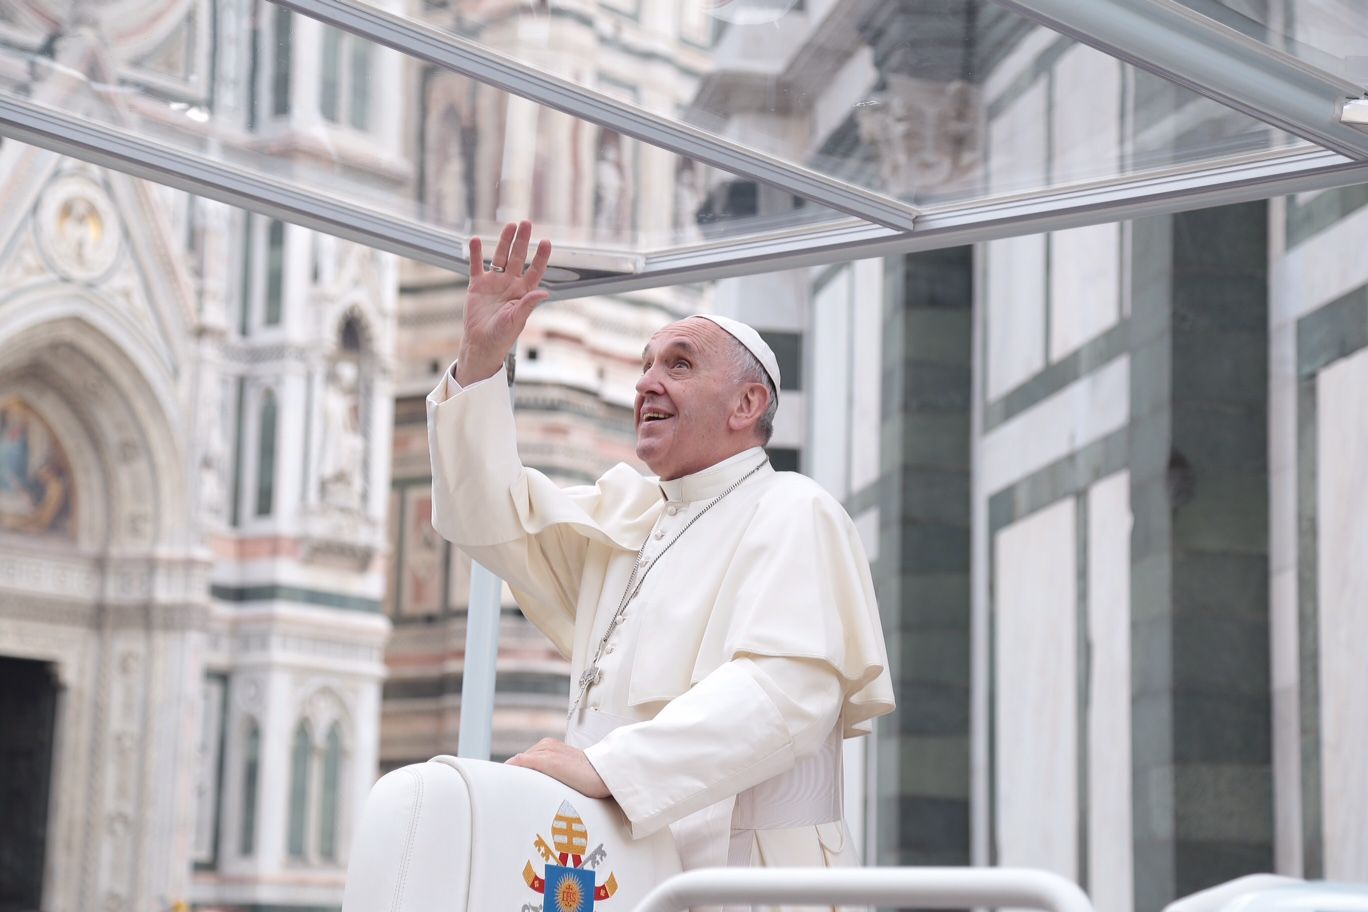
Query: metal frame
x=1181 y=45
x=1251 y=177
x=992 y=219
x=1159 y=35
x=112 y=147
x=471 y=59
x=920 y=888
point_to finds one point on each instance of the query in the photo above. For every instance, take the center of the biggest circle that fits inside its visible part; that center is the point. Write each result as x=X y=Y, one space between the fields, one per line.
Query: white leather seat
x=454 y=835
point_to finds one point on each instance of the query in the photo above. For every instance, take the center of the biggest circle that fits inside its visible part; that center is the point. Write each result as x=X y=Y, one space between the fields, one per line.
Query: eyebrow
x=683 y=345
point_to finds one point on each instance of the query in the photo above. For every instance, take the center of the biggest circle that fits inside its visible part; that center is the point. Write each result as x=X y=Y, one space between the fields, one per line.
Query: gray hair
x=748 y=369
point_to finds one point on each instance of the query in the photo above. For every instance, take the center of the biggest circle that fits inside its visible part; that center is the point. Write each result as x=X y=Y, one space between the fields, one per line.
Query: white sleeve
x=476 y=480
x=749 y=720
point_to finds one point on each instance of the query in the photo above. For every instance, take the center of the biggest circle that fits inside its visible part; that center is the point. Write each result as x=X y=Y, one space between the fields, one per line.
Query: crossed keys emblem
x=568 y=881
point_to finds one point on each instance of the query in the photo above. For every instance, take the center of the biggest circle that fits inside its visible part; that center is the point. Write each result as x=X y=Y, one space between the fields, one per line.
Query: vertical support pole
x=481 y=650
x=481 y=661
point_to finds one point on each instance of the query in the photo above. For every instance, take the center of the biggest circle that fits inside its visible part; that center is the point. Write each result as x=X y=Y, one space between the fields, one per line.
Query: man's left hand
x=564 y=763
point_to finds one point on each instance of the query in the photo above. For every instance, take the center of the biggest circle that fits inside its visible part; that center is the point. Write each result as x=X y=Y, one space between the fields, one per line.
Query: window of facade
x=251 y=765
x=328 y=101
x=280 y=69
x=266 y=452
x=346 y=65
x=783 y=459
x=300 y=754
x=330 y=795
x=788 y=351
x=275 y=272
x=247 y=284
x=359 y=115
x=210 y=760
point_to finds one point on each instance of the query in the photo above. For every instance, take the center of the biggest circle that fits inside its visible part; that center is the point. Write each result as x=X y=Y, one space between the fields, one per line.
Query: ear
x=751 y=402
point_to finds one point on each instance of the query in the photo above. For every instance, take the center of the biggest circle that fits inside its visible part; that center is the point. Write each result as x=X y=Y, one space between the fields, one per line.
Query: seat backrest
x=454 y=835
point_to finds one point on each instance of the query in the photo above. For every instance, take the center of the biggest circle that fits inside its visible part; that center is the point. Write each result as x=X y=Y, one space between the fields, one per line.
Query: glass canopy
x=707 y=137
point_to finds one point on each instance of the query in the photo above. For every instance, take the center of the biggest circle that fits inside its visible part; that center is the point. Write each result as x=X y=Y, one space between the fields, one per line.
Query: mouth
x=651 y=416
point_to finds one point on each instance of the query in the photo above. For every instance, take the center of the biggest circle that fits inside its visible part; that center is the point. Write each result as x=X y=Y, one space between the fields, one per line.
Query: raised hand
x=499 y=300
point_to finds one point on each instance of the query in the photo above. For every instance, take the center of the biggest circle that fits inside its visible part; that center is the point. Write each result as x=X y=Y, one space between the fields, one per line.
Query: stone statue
x=342 y=455
x=449 y=182
x=608 y=187
x=211 y=454
x=687 y=200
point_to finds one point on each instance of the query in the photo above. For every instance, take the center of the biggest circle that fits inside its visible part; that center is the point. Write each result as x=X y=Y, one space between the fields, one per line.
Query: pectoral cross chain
x=592 y=673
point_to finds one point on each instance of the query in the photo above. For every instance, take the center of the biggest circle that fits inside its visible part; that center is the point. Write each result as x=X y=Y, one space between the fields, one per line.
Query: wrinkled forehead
x=692 y=333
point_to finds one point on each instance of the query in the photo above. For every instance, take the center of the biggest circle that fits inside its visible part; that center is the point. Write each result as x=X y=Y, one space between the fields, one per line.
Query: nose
x=649 y=382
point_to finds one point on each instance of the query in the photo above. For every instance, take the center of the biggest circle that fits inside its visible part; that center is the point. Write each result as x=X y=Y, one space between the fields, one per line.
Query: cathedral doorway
x=28 y=710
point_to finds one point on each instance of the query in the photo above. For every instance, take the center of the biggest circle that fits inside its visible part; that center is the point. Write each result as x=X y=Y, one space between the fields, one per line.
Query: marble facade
x=1159 y=454
x=1341 y=495
x=1318 y=335
x=172 y=552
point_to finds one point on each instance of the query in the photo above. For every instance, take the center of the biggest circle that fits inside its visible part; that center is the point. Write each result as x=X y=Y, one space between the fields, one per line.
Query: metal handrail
x=927 y=888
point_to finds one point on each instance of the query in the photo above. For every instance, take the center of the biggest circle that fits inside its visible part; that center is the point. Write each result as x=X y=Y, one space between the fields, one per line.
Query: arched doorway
x=102 y=608
x=28 y=709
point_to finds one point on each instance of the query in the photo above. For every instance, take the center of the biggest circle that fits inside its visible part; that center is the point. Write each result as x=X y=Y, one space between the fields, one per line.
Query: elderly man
x=719 y=617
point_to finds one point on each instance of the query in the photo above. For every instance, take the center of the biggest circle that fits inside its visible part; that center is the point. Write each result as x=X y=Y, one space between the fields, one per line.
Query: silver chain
x=592 y=674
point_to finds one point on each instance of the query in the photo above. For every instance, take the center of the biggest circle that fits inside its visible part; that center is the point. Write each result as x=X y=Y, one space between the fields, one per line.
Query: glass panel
x=932 y=103
x=286 y=97
x=1329 y=34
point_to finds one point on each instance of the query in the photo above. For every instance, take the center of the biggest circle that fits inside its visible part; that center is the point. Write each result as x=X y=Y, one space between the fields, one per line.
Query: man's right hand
x=499 y=300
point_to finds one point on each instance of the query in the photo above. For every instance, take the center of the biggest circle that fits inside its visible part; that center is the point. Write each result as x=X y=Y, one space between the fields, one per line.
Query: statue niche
x=343 y=454
x=610 y=187
x=450 y=188
x=36 y=496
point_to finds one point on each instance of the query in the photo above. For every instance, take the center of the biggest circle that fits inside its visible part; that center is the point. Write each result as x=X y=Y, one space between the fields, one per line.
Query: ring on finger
x=494 y=268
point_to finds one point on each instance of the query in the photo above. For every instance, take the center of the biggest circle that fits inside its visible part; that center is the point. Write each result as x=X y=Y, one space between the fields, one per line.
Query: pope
x=719 y=616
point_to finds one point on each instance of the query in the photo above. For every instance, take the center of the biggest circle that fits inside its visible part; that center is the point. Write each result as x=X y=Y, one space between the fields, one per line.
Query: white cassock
x=734 y=674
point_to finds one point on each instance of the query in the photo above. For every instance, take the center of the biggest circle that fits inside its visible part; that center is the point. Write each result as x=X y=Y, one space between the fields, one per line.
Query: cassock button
x=672 y=509
x=660 y=533
x=608 y=650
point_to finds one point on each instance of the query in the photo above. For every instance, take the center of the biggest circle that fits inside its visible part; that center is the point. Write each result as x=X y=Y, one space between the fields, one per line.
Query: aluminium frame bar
x=990 y=220
x=112 y=147
x=1255 y=177
x=471 y=59
x=1183 y=46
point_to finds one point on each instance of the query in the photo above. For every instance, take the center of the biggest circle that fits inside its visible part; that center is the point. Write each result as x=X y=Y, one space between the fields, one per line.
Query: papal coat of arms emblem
x=568 y=879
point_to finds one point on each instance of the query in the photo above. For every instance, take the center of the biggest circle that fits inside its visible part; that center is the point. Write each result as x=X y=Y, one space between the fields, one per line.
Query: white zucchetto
x=752 y=341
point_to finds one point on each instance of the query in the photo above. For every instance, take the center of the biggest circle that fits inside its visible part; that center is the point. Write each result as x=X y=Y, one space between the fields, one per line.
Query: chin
x=654 y=461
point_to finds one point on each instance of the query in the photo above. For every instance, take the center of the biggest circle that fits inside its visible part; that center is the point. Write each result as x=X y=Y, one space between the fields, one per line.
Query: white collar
x=714 y=479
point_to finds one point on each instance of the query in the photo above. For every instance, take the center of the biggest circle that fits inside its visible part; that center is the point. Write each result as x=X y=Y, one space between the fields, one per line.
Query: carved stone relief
x=924 y=133
x=78 y=229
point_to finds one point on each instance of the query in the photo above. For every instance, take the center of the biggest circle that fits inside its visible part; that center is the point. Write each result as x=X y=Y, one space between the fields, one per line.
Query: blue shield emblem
x=569 y=889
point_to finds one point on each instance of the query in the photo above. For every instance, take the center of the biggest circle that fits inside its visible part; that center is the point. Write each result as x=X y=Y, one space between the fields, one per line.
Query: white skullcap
x=752 y=342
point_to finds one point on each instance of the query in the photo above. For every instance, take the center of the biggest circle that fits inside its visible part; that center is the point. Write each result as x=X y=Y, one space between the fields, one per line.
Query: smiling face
x=691 y=412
